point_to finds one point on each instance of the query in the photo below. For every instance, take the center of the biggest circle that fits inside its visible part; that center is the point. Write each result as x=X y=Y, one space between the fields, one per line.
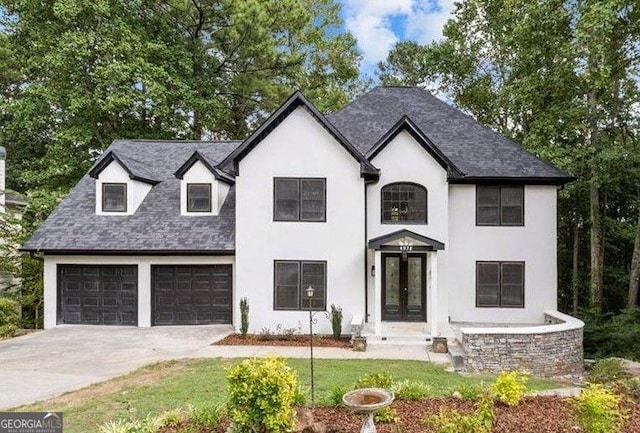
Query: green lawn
x=169 y=385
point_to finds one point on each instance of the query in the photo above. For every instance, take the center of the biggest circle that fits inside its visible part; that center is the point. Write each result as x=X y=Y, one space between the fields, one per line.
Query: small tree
x=244 y=317
x=261 y=396
x=336 y=321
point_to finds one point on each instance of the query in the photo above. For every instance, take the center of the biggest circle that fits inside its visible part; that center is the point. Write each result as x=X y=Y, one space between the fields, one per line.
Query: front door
x=403 y=287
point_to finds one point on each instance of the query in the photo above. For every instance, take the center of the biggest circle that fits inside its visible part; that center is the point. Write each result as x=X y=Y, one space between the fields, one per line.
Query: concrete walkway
x=45 y=364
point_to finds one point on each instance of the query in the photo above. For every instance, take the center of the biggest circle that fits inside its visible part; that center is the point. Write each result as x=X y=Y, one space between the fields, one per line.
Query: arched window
x=404 y=203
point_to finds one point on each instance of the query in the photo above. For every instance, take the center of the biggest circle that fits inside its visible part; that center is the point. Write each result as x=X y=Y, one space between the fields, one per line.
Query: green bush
x=261 y=395
x=149 y=425
x=469 y=391
x=509 y=387
x=411 y=390
x=451 y=421
x=336 y=321
x=375 y=380
x=334 y=396
x=386 y=415
x=244 y=316
x=171 y=418
x=300 y=397
x=598 y=410
x=606 y=371
x=9 y=317
x=612 y=334
x=206 y=416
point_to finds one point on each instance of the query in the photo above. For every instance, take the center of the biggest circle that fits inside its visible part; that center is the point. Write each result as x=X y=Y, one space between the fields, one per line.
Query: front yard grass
x=174 y=384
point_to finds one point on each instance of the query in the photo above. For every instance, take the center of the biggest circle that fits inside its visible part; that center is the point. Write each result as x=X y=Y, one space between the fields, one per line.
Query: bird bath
x=366 y=401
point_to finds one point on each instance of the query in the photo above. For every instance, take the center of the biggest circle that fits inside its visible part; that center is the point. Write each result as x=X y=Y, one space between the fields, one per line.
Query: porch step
x=400 y=340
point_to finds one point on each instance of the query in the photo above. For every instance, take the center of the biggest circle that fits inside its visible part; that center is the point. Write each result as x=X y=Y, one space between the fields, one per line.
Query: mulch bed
x=276 y=340
x=533 y=415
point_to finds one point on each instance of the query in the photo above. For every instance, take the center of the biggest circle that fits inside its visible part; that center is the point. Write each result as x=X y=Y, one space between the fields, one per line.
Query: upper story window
x=299 y=199
x=114 y=197
x=500 y=284
x=404 y=203
x=198 y=197
x=500 y=205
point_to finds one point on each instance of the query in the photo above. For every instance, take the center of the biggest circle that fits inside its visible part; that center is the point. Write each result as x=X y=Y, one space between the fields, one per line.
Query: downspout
x=366 y=253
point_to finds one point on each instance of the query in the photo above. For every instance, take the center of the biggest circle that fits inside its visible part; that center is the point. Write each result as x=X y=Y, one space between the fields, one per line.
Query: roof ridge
x=152 y=140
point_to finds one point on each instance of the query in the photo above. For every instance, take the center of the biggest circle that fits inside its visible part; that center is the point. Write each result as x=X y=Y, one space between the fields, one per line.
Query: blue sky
x=380 y=24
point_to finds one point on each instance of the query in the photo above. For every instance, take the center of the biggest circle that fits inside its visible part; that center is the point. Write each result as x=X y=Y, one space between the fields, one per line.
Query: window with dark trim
x=291 y=279
x=500 y=284
x=500 y=205
x=114 y=197
x=299 y=199
x=198 y=197
x=404 y=203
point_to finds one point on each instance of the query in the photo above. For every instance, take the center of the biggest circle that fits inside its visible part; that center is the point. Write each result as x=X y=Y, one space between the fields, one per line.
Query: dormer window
x=114 y=197
x=199 y=197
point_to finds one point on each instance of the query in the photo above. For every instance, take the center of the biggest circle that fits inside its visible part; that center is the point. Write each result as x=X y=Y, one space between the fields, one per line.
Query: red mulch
x=293 y=340
x=533 y=415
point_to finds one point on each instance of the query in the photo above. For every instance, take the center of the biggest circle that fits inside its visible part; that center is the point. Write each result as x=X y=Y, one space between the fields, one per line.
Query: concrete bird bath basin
x=366 y=401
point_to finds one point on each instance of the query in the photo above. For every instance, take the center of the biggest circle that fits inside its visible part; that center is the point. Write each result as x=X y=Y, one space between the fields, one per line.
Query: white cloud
x=372 y=23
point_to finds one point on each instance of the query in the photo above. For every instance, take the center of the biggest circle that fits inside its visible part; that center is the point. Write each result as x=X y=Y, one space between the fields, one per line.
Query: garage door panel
x=201 y=294
x=98 y=294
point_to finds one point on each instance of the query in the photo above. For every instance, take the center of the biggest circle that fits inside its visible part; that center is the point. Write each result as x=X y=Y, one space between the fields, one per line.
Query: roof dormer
x=203 y=187
x=121 y=184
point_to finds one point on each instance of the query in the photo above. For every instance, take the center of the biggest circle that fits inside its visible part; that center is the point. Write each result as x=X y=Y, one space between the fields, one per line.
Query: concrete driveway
x=48 y=363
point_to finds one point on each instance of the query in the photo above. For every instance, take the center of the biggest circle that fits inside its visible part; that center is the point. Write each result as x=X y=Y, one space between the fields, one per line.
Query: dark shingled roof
x=157 y=225
x=476 y=150
x=469 y=150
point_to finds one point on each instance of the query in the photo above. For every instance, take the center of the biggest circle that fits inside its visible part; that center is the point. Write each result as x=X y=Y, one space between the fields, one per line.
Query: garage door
x=98 y=295
x=191 y=295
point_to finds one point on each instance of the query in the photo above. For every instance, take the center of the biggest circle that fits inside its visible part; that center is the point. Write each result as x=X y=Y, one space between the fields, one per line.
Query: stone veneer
x=552 y=349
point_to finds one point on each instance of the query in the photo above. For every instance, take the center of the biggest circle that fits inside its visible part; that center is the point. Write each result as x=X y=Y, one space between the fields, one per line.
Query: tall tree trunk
x=634 y=275
x=575 y=279
x=597 y=257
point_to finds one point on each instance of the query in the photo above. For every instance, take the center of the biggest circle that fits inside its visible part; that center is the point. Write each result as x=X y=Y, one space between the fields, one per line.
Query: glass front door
x=403 y=287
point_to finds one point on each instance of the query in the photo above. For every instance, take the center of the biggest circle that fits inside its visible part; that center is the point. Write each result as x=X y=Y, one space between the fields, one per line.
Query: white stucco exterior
x=144 y=264
x=136 y=190
x=403 y=159
x=534 y=243
x=299 y=147
x=198 y=173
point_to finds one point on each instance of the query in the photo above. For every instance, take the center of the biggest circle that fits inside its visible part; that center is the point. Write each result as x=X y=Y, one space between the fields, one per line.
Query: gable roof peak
x=297 y=99
x=199 y=157
x=134 y=168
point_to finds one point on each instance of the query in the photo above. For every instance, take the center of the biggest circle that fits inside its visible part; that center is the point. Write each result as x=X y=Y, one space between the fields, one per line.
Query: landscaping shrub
x=171 y=418
x=386 y=415
x=375 y=380
x=451 y=421
x=300 y=397
x=261 y=394
x=244 y=317
x=334 y=396
x=469 y=391
x=598 y=410
x=9 y=316
x=607 y=370
x=411 y=390
x=336 y=321
x=509 y=387
x=611 y=334
x=149 y=425
x=206 y=416
x=631 y=387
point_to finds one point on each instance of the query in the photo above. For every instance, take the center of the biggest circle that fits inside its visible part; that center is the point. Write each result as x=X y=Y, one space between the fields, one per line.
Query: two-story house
x=397 y=208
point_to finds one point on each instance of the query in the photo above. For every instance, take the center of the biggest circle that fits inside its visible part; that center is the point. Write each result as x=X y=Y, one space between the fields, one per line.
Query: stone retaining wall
x=553 y=349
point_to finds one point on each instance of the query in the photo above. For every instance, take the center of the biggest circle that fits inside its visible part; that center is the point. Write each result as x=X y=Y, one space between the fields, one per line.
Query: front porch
x=403 y=289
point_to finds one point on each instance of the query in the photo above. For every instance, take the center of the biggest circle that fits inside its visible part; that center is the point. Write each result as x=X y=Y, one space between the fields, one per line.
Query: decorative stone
x=304 y=420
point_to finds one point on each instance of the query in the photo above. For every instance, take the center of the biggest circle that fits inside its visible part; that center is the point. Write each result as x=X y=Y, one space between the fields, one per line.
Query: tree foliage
x=76 y=75
x=563 y=79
